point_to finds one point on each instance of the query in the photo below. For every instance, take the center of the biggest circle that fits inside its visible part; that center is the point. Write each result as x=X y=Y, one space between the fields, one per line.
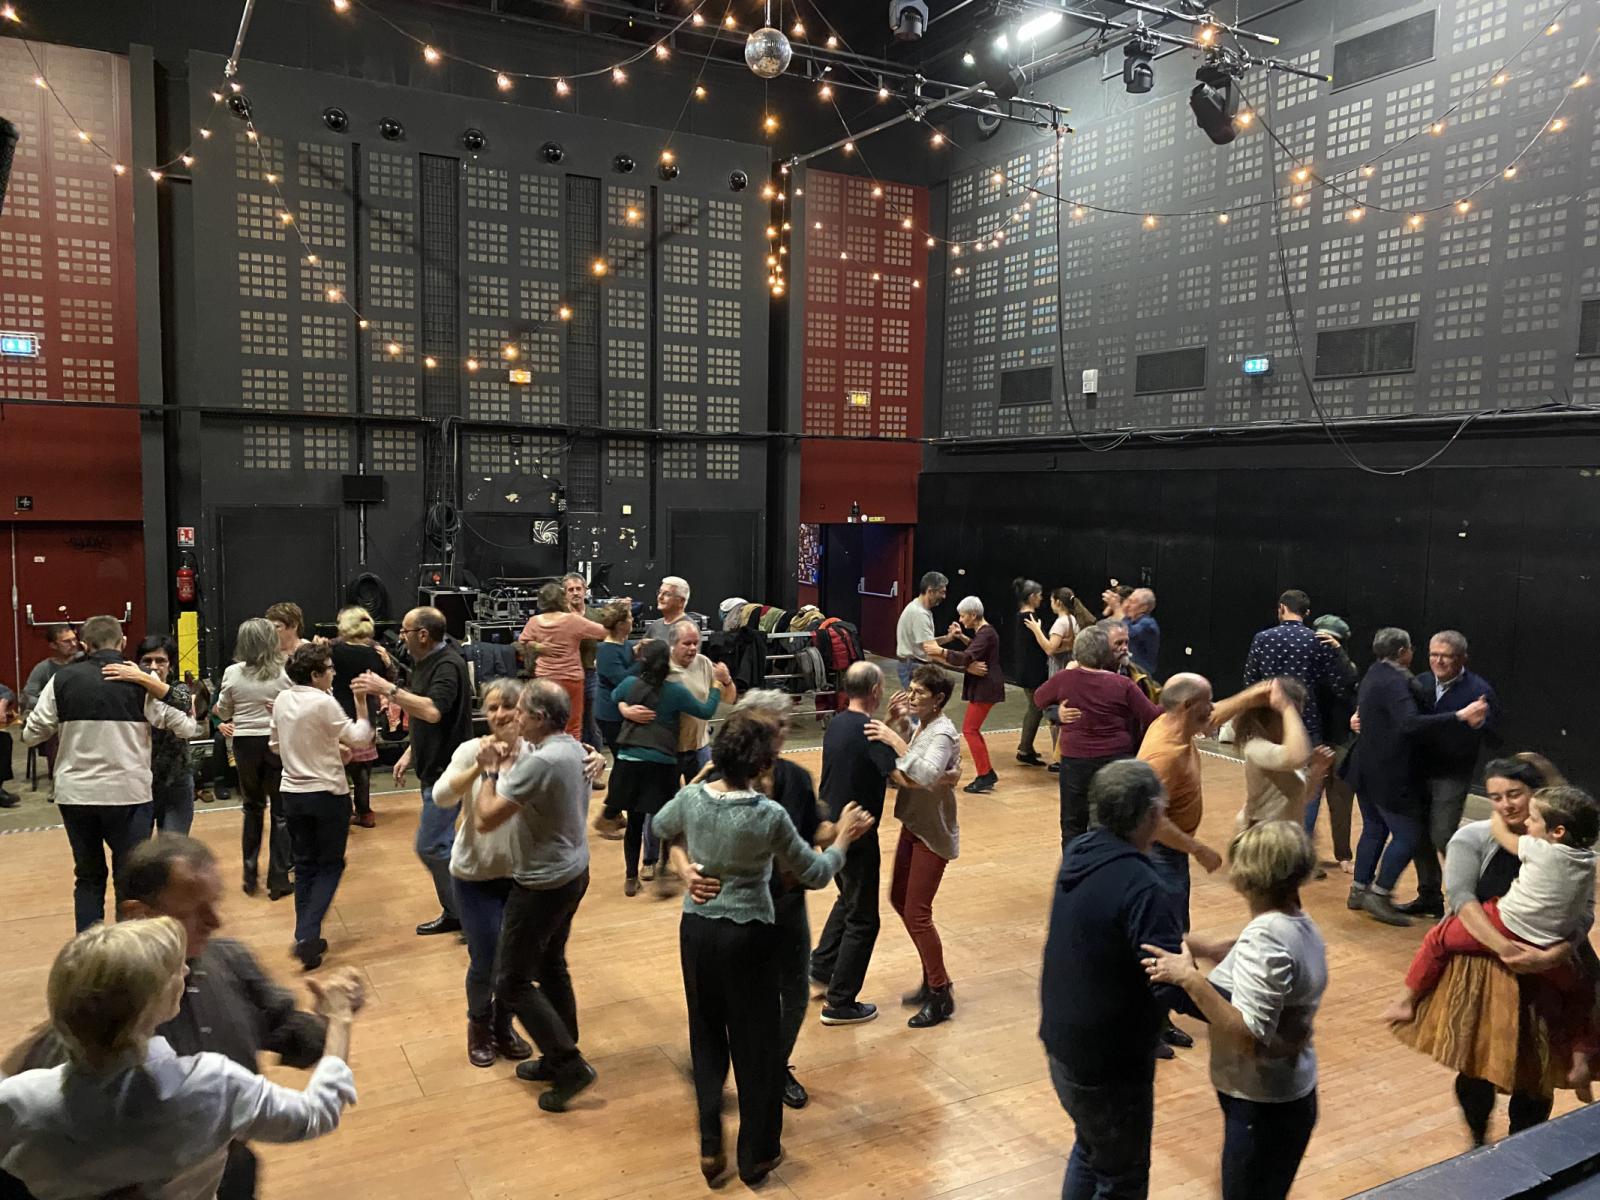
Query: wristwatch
x=394 y=690
x=491 y=775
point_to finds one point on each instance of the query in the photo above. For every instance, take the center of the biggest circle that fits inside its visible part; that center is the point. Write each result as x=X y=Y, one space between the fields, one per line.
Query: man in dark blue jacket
x=1102 y=1018
x=1383 y=770
x=1447 y=757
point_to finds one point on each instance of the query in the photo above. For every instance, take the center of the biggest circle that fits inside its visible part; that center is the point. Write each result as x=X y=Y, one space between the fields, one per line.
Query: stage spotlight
x=1215 y=101
x=1138 y=76
x=908 y=19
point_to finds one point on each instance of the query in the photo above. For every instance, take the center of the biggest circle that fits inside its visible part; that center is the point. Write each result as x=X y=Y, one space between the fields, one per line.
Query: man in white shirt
x=103 y=765
x=916 y=626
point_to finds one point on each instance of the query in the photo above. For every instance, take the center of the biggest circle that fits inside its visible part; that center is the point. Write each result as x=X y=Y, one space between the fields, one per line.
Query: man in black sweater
x=1102 y=1018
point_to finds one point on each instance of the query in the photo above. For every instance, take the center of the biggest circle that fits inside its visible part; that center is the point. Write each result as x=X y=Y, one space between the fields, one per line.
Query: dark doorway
x=715 y=550
x=866 y=573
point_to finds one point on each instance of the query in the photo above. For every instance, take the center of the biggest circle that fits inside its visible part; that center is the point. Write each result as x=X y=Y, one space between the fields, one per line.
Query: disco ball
x=767 y=52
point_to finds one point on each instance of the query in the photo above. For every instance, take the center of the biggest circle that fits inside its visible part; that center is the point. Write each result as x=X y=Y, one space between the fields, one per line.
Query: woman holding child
x=1483 y=1020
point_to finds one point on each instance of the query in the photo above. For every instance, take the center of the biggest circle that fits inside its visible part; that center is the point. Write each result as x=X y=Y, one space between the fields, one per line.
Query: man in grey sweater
x=543 y=786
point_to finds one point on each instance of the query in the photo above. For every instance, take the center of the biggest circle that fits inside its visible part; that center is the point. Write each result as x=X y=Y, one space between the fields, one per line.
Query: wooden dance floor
x=963 y=1110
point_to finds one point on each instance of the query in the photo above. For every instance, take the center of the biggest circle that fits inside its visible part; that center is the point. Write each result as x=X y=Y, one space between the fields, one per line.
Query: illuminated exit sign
x=858 y=399
x=19 y=345
x=1258 y=364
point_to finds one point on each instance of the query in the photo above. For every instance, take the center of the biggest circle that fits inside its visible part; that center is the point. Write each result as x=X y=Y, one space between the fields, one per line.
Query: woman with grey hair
x=1109 y=714
x=983 y=684
x=1260 y=1001
x=244 y=706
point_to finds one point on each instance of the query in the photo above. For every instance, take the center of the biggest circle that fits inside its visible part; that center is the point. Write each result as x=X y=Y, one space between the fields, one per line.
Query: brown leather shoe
x=506 y=1042
x=480 y=1043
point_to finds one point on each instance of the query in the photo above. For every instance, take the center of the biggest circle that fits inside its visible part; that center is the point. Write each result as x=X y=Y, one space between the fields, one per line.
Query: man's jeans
x=1111 y=1153
x=1173 y=868
x=91 y=830
x=436 y=837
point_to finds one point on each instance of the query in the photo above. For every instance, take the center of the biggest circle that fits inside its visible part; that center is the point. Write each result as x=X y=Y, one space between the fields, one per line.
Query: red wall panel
x=67 y=275
x=864 y=317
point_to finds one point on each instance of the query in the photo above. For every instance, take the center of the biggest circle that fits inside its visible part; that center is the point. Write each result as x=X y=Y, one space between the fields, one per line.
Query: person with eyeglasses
x=171 y=776
x=438 y=701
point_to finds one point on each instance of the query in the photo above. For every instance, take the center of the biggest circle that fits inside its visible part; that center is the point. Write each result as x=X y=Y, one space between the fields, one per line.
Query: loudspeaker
x=459 y=605
x=364 y=489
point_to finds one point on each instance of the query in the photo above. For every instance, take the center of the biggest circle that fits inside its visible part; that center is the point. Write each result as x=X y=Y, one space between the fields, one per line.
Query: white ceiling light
x=1002 y=42
x=1030 y=30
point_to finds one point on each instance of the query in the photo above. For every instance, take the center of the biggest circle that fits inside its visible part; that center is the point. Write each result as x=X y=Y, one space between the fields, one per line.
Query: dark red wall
x=865 y=322
x=67 y=275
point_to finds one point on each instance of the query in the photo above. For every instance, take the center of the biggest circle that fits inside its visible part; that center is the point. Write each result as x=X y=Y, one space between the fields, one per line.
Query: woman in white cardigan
x=126 y=1114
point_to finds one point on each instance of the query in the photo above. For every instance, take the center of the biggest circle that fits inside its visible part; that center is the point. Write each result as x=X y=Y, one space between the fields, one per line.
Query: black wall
x=1508 y=554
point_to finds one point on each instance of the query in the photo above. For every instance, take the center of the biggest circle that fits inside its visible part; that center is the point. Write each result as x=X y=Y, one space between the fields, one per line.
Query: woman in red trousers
x=927 y=766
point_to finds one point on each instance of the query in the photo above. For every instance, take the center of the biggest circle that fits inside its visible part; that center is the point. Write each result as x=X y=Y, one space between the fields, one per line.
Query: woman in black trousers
x=734 y=838
x=249 y=686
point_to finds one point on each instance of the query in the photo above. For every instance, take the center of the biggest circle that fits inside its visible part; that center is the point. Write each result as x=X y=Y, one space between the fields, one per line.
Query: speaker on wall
x=364 y=489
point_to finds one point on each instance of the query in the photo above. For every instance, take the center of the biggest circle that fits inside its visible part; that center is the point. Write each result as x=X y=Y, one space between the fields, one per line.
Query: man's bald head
x=862 y=679
x=1183 y=689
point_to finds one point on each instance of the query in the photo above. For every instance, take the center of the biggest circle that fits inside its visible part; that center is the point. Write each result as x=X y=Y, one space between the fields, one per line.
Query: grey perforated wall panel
x=462 y=257
x=1496 y=292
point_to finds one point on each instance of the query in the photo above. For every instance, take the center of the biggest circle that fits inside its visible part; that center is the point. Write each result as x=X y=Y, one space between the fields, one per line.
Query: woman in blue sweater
x=646 y=774
x=728 y=942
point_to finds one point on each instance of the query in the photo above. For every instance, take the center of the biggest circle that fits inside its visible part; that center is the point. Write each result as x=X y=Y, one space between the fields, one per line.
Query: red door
x=67 y=572
x=885 y=584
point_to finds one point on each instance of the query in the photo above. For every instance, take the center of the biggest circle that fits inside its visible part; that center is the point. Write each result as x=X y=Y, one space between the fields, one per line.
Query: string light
x=832 y=42
x=661 y=50
x=883 y=93
x=509 y=352
x=186 y=159
x=1150 y=221
x=1303 y=174
x=849 y=147
x=205 y=133
x=9 y=13
x=502 y=81
x=1463 y=206
x=1552 y=29
x=430 y=362
x=799 y=29
x=1581 y=80
x=937 y=139
x=341 y=6
x=155 y=174
x=563 y=87
x=618 y=75
x=393 y=349
x=471 y=364
x=599 y=267
x=1436 y=128
x=1558 y=125
x=1222 y=218
x=431 y=55
x=362 y=323
x=699 y=91
x=1501 y=79
x=668 y=157
x=1414 y=221
x=39 y=82
x=564 y=313
x=770 y=123
x=335 y=295
x=825 y=91
x=1355 y=214
x=698 y=20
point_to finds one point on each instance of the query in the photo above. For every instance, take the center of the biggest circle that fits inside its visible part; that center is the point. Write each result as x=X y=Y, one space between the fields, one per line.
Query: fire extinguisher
x=185 y=580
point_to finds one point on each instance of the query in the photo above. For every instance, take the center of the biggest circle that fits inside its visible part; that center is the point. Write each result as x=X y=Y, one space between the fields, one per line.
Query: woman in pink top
x=556 y=631
x=1103 y=718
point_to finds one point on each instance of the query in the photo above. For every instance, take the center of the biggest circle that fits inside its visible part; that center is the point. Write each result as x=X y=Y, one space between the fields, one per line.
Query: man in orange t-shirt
x=1168 y=746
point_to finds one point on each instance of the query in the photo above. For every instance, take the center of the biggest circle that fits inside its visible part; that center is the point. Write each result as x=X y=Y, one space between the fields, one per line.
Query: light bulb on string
x=728 y=22
x=502 y=81
x=335 y=295
x=431 y=56
x=770 y=123
x=799 y=29
x=1463 y=206
x=39 y=82
x=825 y=91
x=155 y=175
x=832 y=42
x=186 y=159
x=341 y=6
x=205 y=133
x=563 y=87
x=363 y=323
x=697 y=20
x=1511 y=171
x=883 y=92
x=393 y=349
x=661 y=51
x=699 y=91
x=1222 y=218
x=8 y=12
x=509 y=352
x=1558 y=125
x=471 y=364
x=1501 y=79
x=618 y=75
x=564 y=312
x=430 y=362
x=118 y=169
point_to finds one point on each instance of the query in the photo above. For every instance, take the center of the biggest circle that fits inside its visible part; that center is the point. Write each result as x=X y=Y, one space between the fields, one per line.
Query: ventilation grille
x=1384 y=51
x=1170 y=371
x=1367 y=350
x=1589 y=329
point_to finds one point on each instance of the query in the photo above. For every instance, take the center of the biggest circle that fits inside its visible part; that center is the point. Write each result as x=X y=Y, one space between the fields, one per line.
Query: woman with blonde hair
x=355 y=651
x=244 y=706
x=1260 y=999
x=125 y=1114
